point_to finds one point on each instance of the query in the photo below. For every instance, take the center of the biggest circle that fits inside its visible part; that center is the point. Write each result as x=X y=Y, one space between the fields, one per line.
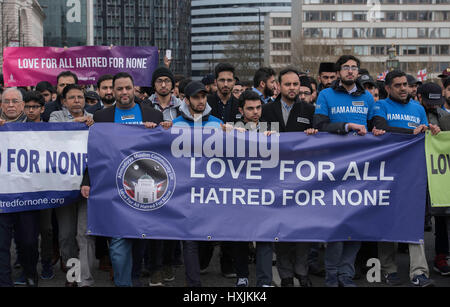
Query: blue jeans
x=340 y=261
x=122 y=261
x=264 y=255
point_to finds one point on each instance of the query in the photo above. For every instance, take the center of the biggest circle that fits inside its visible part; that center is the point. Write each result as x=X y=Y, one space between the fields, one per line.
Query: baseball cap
x=194 y=88
x=412 y=80
x=92 y=95
x=445 y=74
x=431 y=94
x=364 y=79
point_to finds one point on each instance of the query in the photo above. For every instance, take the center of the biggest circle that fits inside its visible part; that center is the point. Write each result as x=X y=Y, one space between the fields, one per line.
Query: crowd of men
x=292 y=101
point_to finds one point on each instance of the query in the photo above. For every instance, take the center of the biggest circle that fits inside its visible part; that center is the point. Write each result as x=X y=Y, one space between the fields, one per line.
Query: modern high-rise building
x=419 y=31
x=164 y=24
x=218 y=26
x=277 y=42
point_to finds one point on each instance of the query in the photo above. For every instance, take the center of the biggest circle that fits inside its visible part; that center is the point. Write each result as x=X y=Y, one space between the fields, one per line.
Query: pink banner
x=27 y=66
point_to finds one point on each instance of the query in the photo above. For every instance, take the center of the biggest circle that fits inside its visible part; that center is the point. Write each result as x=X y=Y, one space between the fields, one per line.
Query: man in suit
x=291 y=115
x=288 y=110
x=126 y=111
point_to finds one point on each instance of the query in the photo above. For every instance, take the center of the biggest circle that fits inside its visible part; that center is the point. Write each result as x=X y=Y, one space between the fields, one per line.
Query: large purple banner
x=27 y=66
x=205 y=185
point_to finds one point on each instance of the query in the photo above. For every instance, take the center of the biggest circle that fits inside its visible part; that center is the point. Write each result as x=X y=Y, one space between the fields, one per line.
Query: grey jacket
x=440 y=118
x=64 y=116
x=169 y=113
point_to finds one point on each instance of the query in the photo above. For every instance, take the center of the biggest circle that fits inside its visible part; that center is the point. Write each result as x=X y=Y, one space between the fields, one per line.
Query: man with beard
x=107 y=100
x=413 y=85
x=264 y=84
x=105 y=90
x=163 y=81
x=224 y=105
x=196 y=111
x=335 y=114
x=327 y=75
x=292 y=115
x=126 y=112
x=306 y=90
x=287 y=110
x=399 y=114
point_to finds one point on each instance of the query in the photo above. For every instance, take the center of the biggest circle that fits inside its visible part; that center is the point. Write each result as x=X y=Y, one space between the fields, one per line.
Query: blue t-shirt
x=341 y=107
x=409 y=116
x=129 y=117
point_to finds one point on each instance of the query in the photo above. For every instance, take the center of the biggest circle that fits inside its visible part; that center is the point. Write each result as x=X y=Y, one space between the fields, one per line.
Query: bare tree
x=243 y=53
x=307 y=54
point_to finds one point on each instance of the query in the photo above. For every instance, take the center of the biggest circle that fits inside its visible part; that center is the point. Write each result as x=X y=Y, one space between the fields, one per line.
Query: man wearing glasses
x=306 y=90
x=24 y=224
x=342 y=108
x=163 y=82
x=12 y=107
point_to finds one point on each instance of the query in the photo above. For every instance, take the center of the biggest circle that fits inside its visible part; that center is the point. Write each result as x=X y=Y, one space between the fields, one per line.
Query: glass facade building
x=65 y=23
x=164 y=24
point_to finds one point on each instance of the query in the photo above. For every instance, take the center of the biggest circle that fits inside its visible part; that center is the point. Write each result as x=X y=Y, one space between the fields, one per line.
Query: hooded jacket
x=186 y=118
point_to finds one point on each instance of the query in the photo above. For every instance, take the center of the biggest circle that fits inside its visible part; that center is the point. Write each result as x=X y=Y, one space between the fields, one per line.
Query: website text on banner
x=209 y=185
x=27 y=66
x=41 y=165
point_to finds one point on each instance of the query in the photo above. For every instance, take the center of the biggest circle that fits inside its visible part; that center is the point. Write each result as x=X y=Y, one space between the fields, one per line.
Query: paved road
x=214 y=279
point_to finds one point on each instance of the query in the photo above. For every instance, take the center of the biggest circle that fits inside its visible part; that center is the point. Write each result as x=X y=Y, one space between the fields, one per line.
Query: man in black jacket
x=65 y=78
x=288 y=111
x=291 y=115
x=224 y=105
x=126 y=111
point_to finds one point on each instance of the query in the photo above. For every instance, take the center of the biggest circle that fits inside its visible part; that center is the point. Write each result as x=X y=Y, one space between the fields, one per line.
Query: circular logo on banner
x=145 y=181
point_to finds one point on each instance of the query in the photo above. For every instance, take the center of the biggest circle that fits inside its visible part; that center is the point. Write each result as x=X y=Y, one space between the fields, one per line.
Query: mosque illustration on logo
x=145 y=191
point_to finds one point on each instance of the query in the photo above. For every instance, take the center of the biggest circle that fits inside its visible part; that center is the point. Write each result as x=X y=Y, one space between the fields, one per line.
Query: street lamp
x=392 y=63
x=259 y=29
